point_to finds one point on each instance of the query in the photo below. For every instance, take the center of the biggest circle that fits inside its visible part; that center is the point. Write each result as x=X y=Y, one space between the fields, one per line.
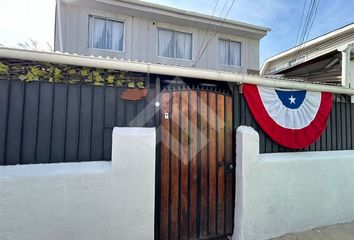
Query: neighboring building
x=325 y=59
x=153 y=33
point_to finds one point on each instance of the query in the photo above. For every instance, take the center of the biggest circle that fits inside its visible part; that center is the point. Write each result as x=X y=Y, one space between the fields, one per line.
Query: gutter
x=151 y=68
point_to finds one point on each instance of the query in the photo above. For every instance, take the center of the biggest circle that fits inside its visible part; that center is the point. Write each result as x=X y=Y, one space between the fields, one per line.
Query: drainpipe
x=346 y=76
x=60 y=35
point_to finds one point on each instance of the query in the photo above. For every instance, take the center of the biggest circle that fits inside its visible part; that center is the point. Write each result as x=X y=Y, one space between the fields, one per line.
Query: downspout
x=347 y=82
x=60 y=35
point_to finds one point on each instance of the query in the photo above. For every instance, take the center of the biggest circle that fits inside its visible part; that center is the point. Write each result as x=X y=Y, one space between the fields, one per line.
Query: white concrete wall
x=281 y=193
x=83 y=201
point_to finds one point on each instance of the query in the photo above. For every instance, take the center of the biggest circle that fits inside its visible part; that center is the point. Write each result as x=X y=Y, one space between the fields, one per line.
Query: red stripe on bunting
x=290 y=138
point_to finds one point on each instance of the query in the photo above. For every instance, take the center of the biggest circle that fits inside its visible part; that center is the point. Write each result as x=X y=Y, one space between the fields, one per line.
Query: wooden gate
x=197 y=168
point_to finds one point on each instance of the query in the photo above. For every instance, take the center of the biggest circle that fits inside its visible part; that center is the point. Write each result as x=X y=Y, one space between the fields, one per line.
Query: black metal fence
x=338 y=135
x=43 y=122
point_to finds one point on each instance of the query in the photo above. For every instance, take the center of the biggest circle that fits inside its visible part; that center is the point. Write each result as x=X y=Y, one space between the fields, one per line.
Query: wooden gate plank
x=203 y=163
x=196 y=194
x=193 y=169
x=221 y=175
x=212 y=163
x=184 y=166
x=228 y=156
x=175 y=164
x=165 y=165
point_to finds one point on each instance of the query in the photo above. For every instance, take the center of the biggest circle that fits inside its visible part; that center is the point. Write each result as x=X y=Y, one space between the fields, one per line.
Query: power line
x=304 y=29
x=216 y=32
x=210 y=39
x=308 y=20
x=201 y=46
x=313 y=19
x=299 y=29
x=302 y=17
x=206 y=33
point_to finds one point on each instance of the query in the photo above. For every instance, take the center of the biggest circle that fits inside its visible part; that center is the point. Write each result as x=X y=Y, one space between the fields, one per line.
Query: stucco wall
x=88 y=201
x=281 y=193
x=140 y=40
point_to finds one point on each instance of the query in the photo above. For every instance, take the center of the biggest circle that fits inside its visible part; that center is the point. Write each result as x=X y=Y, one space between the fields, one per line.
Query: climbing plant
x=29 y=71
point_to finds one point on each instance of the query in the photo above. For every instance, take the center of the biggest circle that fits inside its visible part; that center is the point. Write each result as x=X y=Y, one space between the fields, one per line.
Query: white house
x=142 y=31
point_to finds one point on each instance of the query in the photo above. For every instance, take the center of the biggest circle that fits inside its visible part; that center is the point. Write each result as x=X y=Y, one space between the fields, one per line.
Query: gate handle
x=223 y=163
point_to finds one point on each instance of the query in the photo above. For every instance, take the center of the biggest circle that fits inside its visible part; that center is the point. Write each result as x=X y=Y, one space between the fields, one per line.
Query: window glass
x=106 y=34
x=235 y=53
x=174 y=44
x=184 y=45
x=224 y=52
x=229 y=52
x=166 y=43
x=99 y=33
x=116 y=36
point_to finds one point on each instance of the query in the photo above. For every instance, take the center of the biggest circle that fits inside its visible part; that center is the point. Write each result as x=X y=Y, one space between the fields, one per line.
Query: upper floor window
x=174 y=44
x=106 y=34
x=229 y=52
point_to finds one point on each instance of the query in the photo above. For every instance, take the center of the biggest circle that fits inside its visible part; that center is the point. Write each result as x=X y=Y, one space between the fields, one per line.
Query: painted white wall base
x=282 y=193
x=83 y=201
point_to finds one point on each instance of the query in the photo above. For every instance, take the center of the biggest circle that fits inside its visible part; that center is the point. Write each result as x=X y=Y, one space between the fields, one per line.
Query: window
x=229 y=52
x=106 y=34
x=174 y=44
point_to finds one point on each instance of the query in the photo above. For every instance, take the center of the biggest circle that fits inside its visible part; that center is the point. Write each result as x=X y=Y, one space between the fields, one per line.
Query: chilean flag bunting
x=292 y=118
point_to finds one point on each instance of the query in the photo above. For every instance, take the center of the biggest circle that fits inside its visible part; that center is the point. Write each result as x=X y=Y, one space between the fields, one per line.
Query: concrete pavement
x=343 y=231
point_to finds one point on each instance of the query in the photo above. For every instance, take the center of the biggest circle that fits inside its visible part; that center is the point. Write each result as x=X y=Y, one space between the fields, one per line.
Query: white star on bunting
x=292 y=99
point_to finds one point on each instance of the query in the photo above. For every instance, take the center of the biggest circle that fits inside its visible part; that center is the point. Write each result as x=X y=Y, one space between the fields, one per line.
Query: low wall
x=89 y=200
x=281 y=193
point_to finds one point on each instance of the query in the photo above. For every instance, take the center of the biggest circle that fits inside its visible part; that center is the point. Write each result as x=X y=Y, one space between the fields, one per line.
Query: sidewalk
x=343 y=231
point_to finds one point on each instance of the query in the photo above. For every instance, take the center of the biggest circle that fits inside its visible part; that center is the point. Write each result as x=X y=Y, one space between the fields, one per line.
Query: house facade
x=136 y=30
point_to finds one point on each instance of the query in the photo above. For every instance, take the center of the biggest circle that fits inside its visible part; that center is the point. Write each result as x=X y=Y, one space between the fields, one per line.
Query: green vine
x=4 y=69
x=71 y=74
x=34 y=73
x=110 y=79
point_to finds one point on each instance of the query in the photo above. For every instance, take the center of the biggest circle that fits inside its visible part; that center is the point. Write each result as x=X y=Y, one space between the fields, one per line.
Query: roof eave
x=147 y=7
x=308 y=44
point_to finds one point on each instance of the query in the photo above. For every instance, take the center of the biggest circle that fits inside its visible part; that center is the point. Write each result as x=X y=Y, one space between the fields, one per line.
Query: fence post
x=133 y=166
x=247 y=152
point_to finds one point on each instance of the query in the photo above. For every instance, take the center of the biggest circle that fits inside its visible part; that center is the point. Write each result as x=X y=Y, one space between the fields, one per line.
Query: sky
x=21 y=20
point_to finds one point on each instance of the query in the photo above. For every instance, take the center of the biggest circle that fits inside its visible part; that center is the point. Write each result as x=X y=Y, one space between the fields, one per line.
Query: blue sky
x=24 y=19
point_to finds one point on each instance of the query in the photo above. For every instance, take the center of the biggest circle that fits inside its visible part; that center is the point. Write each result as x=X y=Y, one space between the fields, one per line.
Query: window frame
x=91 y=30
x=175 y=44
x=229 y=41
